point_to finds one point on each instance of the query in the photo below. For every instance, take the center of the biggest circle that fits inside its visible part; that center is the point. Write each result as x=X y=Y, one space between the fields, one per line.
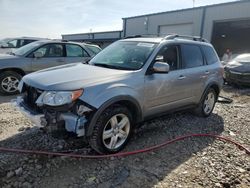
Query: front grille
x=30 y=97
x=239 y=77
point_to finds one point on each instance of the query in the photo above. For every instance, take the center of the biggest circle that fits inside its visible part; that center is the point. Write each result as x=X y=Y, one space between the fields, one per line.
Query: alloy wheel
x=116 y=131
x=10 y=84
x=209 y=102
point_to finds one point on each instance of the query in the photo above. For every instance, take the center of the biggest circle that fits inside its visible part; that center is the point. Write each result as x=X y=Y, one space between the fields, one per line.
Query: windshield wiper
x=111 y=66
x=104 y=65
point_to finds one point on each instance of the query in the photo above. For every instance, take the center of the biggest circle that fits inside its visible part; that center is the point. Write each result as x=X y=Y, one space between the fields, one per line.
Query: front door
x=52 y=55
x=166 y=91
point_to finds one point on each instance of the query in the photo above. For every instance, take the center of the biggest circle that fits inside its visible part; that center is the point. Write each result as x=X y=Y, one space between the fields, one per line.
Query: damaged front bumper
x=73 y=123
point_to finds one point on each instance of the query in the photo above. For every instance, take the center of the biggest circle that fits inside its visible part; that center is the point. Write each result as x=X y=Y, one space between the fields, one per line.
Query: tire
x=8 y=82
x=106 y=123
x=205 y=108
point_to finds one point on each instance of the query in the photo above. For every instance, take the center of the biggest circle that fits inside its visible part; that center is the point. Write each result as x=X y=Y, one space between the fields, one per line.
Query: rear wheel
x=112 y=130
x=207 y=103
x=9 y=81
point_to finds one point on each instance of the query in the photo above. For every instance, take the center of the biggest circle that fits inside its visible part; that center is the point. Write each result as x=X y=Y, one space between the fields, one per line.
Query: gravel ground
x=196 y=162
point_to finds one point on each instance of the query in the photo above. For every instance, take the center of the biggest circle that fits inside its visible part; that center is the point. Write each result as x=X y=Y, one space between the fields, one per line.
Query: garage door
x=181 y=29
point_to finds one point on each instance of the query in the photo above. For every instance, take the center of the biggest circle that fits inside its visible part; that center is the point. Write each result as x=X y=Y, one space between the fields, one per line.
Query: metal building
x=226 y=25
x=102 y=39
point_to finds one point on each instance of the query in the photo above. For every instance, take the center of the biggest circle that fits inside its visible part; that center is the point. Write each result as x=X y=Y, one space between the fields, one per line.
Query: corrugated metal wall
x=201 y=18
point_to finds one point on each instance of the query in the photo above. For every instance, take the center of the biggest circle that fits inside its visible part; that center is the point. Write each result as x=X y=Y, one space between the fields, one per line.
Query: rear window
x=73 y=50
x=210 y=55
x=191 y=55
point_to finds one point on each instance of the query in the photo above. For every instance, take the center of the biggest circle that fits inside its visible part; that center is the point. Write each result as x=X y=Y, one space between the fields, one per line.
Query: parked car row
x=37 y=56
x=128 y=82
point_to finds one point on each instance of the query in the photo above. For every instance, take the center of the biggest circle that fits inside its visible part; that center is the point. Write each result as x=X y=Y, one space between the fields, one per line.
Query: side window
x=192 y=56
x=51 y=50
x=73 y=50
x=21 y=43
x=12 y=44
x=169 y=54
x=210 y=55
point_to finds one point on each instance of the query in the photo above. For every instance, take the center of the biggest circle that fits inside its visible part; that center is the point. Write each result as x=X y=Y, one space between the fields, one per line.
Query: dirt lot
x=196 y=162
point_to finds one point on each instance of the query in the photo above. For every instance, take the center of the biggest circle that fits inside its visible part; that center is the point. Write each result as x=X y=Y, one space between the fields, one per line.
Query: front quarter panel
x=16 y=63
x=97 y=95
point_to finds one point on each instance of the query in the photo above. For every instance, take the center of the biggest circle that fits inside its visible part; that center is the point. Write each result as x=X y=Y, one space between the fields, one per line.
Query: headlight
x=58 y=98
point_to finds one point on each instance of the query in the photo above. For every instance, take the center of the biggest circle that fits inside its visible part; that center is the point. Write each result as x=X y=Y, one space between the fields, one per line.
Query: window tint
x=27 y=42
x=210 y=55
x=191 y=56
x=51 y=50
x=75 y=51
x=168 y=54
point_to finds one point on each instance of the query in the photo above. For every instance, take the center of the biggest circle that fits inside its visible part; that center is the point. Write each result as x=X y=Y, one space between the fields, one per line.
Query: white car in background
x=8 y=45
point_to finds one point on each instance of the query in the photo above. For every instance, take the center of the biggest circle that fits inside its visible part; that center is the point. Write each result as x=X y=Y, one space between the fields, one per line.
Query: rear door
x=194 y=71
x=75 y=54
x=53 y=55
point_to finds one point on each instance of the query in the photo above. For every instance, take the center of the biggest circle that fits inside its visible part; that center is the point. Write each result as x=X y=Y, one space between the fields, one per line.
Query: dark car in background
x=37 y=56
x=237 y=71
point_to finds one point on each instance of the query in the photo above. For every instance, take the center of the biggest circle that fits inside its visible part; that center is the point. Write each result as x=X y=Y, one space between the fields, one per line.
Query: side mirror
x=160 y=67
x=38 y=54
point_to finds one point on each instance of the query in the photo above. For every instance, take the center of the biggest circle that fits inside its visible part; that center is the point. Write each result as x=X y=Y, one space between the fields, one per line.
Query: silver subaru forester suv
x=130 y=81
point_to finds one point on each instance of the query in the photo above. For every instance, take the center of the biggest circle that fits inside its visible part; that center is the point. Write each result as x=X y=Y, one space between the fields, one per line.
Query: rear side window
x=210 y=55
x=73 y=50
x=191 y=56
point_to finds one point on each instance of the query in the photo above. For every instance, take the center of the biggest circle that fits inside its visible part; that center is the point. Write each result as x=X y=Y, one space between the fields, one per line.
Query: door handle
x=181 y=77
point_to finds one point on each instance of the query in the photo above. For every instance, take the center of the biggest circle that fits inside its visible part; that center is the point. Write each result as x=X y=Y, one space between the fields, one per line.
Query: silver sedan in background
x=36 y=56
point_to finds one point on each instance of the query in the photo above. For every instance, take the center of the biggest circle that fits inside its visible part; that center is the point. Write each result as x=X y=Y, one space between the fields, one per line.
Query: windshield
x=23 y=50
x=124 y=55
x=243 y=58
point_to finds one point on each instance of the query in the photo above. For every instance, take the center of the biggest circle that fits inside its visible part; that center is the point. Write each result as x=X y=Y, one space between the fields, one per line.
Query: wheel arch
x=17 y=70
x=214 y=86
x=126 y=101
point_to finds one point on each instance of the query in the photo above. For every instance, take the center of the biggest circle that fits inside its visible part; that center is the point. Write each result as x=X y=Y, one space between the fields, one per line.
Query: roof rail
x=133 y=36
x=194 y=38
x=144 y=35
x=60 y=40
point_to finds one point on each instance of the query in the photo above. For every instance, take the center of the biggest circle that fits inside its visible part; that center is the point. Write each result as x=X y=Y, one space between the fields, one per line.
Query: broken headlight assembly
x=58 y=98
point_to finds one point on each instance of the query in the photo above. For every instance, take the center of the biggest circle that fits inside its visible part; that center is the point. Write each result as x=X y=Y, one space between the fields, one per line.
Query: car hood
x=243 y=67
x=72 y=77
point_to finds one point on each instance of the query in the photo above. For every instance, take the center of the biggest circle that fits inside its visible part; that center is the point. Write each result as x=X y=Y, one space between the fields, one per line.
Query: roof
x=180 y=10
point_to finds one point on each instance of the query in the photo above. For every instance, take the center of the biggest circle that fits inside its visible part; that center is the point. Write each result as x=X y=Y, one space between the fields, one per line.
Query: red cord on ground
x=122 y=154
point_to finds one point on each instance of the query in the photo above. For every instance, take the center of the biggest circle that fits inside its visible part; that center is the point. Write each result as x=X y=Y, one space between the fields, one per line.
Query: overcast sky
x=51 y=18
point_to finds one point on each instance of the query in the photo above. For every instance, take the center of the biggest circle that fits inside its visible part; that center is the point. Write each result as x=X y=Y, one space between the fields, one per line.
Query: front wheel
x=112 y=130
x=207 y=103
x=9 y=81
